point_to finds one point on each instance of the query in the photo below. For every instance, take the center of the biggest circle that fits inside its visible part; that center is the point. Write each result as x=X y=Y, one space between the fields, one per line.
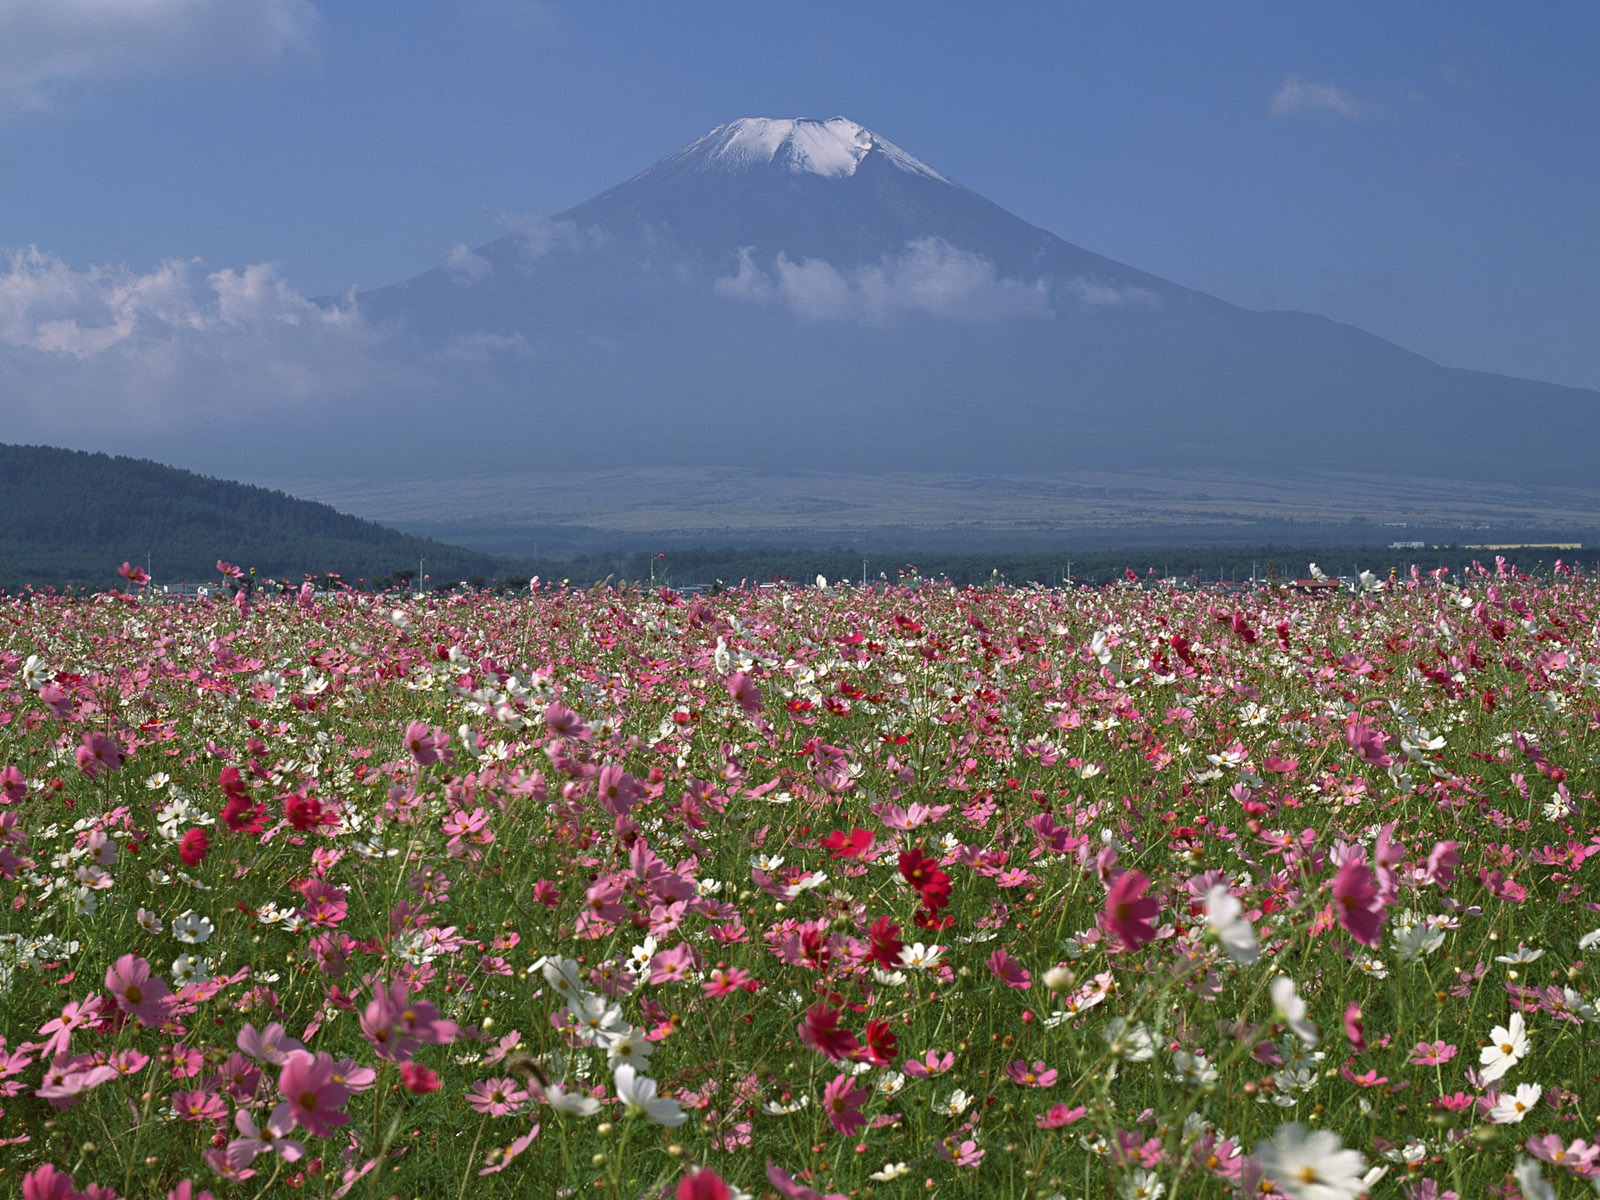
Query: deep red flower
x=194 y=847
x=304 y=812
x=820 y=1030
x=881 y=1043
x=418 y=1078
x=884 y=943
x=854 y=844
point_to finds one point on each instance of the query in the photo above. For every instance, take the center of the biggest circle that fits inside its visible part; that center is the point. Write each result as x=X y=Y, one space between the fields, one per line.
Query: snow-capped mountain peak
x=832 y=149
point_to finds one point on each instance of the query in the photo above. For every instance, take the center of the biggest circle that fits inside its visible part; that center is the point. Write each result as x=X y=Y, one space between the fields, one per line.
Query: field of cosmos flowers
x=910 y=890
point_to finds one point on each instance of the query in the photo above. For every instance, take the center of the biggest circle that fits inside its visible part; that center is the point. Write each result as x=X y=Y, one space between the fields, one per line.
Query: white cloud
x=537 y=234
x=1091 y=293
x=466 y=266
x=1296 y=95
x=481 y=346
x=48 y=47
x=110 y=348
x=930 y=277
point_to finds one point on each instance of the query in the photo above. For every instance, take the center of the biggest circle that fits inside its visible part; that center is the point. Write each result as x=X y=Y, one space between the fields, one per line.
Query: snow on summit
x=832 y=149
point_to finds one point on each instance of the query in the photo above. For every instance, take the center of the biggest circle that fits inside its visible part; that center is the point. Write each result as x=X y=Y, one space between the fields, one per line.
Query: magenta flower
x=316 y=1099
x=1432 y=1054
x=703 y=1183
x=1009 y=971
x=842 y=1101
x=743 y=689
x=98 y=753
x=145 y=998
x=427 y=743
x=1128 y=911
x=1356 y=903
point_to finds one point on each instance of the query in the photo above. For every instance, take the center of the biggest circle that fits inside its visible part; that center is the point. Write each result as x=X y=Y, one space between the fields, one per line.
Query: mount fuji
x=799 y=294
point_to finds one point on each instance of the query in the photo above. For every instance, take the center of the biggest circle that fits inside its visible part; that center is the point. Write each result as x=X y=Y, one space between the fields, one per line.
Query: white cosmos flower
x=638 y=1092
x=890 y=1172
x=1508 y=1045
x=192 y=929
x=558 y=1098
x=626 y=1045
x=1532 y=1181
x=148 y=921
x=563 y=974
x=1511 y=1107
x=1286 y=1000
x=920 y=956
x=1311 y=1165
x=1233 y=932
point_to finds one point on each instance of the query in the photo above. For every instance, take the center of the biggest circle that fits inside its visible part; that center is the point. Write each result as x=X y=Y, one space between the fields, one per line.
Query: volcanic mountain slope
x=806 y=294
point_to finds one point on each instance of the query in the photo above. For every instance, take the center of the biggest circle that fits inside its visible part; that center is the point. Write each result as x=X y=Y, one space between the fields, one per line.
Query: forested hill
x=67 y=517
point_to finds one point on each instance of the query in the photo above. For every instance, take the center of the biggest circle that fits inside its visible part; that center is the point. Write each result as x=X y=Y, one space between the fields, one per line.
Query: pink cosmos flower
x=962 y=1154
x=77 y=1014
x=142 y=997
x=1353 y=1028
x=1128 y=910
x=1579 y=1157
x=931 y=1064
x=842 y=1101
x=199 y=1106
x=271 y=1045
x=673 y=965
x=274 y=1136
x=47 y=1183
x=496 y=1097
x=785 y=1185
x=1037 y=1076
x=1432 y=1054
x=13 y=785
x=1059 y=1115
x=315 y=1099
x=502 y=1157
x=1356 y=903
x=617 y=790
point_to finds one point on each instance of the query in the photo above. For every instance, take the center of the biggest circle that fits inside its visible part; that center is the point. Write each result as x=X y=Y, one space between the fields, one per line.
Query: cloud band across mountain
x=930 y=277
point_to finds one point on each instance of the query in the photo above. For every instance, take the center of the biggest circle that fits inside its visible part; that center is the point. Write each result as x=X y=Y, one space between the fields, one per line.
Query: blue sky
x=1427 y=171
